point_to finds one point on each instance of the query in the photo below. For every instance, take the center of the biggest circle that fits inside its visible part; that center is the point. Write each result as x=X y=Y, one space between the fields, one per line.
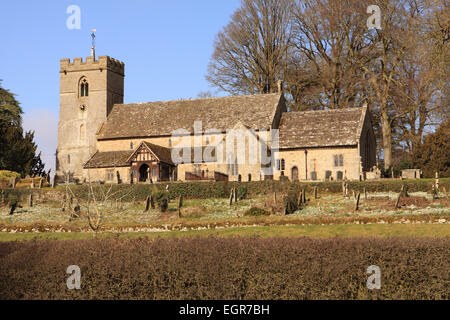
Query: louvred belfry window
x=84 y=88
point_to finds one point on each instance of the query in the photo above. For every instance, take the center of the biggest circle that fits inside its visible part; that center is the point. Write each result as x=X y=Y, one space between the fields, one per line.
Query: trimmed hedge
x=207 y=190
x=228 y=269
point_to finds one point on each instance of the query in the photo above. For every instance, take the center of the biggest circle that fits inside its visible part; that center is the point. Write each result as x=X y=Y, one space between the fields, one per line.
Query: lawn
x=313 y=231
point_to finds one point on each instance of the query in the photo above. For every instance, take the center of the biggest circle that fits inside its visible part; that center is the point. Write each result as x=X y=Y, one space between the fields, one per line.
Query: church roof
x=324 y=128
x=162 y=153
x=109 y=159
x=154 y=119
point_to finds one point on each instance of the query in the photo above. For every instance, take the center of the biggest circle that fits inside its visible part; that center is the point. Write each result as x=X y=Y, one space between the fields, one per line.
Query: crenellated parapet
x=102 y=63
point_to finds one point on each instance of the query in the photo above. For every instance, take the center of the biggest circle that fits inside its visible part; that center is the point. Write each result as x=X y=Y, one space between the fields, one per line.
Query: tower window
x=84 y=88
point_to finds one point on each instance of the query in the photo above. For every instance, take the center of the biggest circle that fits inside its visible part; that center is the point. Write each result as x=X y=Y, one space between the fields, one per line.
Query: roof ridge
x=201 y=99
x=327 y=110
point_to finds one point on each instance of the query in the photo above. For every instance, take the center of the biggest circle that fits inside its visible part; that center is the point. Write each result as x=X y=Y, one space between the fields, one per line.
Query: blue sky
x=166 y=47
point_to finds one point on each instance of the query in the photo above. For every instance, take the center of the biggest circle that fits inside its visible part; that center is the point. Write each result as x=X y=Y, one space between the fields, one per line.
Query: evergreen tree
x=17 y=149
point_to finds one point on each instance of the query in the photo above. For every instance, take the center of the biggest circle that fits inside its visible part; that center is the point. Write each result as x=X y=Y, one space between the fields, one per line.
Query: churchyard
x=135 y=209
x=259 y=240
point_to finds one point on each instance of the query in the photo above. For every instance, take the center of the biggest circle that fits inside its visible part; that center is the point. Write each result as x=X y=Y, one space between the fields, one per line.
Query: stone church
x=236 y=138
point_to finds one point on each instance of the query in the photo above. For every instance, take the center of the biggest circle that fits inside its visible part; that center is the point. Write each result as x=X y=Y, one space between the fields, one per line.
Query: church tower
x=88 y=92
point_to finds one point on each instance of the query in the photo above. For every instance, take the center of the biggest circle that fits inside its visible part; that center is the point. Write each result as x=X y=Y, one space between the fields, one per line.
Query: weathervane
x=93 y=43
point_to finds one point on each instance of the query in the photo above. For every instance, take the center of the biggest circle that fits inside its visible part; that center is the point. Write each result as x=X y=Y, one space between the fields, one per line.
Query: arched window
x=249 y=177
x=283 y=167
x=84 y=88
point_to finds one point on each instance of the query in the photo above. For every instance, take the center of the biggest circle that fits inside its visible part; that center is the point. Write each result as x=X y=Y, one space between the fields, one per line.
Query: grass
x=314 y=231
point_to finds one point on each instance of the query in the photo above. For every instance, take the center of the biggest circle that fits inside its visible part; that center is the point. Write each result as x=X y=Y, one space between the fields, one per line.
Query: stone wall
x=80 y=116
x=320 y=160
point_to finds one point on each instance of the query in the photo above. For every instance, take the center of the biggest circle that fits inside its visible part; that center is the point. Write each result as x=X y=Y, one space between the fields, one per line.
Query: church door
x=143 y=173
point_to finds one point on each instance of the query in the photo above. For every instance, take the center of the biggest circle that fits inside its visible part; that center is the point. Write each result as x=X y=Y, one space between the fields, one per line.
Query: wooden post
x=231 y=197
x=358 y=197
x=32 y=183
x=315 y=193
x=343 y=189
x=30 y=200
x=147 y=204
x=399 y=196
x=304 y=195
x=275 y=198
x=40 y=183
x=235 y=196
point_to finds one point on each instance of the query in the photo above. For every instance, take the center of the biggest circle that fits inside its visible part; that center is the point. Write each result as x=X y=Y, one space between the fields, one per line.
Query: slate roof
x=325 y=128
x=109 y=159
x=162 y=153
x=141 y=120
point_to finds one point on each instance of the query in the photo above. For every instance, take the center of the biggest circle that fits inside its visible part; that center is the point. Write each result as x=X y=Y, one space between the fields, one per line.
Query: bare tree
x=250 y=54
x=321 y=73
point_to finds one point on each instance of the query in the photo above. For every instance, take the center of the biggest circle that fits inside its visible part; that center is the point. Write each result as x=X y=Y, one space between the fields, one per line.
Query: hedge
x=205 y=190
x=226 y=269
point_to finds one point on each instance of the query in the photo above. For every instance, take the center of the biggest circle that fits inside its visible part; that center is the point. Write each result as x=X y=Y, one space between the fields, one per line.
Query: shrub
x=6 y=174
x=290 y=204
x=242 y=193
x=162 y=199
x=256 y=212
